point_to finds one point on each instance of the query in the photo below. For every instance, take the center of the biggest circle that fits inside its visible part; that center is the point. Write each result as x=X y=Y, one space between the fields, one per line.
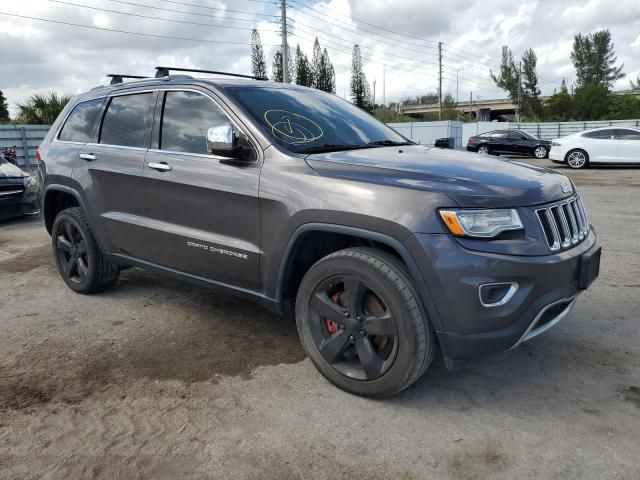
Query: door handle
x=161 y=167
x=89 y=157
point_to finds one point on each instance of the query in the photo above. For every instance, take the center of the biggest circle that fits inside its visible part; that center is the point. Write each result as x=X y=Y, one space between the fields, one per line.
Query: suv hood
x=9 y=170
x=470 y=179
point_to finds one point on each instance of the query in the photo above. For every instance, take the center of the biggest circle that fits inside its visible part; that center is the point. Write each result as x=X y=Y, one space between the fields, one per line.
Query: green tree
x=42 y=109
x=507 y=78
x=258 y=62
x=325 y=77
x=595 y=60
x=449 y=111
x=360 y=92
x=4 y=109
x=624 y=107
x=559 y=107
x=530 y=105
x=276 y=67
x=591 y=102
x=302 y=69
x=316 y=63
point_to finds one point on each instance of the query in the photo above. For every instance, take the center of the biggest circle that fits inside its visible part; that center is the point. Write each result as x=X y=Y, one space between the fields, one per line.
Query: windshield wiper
x=390 y=143
x=333 y=147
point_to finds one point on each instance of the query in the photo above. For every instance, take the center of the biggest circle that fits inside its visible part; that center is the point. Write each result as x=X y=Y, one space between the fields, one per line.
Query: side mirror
x=222 y=140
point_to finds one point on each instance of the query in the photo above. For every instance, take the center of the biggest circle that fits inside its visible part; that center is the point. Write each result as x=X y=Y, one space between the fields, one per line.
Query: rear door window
x=126 y=120
x=185 y=120
x=81 y=121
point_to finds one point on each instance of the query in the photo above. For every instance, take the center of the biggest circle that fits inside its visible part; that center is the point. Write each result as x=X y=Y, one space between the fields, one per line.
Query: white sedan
x=608 y=145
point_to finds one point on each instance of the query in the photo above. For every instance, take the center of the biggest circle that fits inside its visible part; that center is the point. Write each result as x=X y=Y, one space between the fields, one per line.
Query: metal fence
x=427 y=132
x=26 y=138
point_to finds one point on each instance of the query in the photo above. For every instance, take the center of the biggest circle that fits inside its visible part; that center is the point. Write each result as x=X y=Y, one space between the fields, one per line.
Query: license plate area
x=589 y=268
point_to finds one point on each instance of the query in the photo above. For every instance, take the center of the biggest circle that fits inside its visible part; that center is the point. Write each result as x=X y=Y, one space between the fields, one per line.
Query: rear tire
x=362 y=324
x=577 y=159
x=484 y=150
x=540 y=152
x=80 y=261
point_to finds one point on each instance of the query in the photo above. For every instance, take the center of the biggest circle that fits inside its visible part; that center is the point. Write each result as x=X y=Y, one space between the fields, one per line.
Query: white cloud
x=38 y=56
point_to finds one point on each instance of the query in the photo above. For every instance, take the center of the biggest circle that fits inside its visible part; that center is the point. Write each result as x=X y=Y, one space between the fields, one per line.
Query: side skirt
x=269 y=303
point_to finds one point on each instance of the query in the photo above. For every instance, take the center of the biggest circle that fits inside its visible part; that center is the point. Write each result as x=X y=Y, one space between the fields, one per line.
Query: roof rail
x=119 y=78
x=164 y=72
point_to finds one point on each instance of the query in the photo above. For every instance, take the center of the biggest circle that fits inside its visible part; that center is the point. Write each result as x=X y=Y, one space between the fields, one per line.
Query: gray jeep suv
x=296 y=199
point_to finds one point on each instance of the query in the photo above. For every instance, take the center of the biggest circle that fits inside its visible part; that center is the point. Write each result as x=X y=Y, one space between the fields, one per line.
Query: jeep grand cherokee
x=296 y=199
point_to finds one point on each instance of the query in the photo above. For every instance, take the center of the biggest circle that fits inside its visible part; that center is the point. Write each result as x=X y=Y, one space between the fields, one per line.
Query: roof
x=219 y=82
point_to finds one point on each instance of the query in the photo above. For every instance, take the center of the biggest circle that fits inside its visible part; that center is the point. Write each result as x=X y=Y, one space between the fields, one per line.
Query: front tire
x=362 y=324
x=577 y=159
x=80 y=261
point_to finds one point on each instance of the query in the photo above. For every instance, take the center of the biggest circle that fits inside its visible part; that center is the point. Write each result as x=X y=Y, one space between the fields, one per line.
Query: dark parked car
x=297 y=199
x=510 y=142
x=18 y=191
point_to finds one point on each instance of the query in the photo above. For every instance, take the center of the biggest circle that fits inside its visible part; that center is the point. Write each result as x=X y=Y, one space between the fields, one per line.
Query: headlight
x=30 y=185
x=481 y=223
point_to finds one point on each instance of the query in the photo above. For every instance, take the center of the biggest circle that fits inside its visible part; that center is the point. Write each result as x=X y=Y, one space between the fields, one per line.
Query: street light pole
x=384 y=85
x=457 y=99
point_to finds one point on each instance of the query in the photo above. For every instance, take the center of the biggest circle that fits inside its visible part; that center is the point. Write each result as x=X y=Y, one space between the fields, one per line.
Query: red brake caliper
x=332 y=326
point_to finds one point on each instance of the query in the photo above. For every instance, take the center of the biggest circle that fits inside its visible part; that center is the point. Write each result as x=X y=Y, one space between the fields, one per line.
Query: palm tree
x=42 y=109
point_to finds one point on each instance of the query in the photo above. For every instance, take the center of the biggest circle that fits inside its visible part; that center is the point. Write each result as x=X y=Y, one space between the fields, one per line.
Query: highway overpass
x=485 y=110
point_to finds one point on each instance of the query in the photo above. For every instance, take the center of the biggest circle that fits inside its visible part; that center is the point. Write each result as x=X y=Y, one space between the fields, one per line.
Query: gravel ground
x=161 y=379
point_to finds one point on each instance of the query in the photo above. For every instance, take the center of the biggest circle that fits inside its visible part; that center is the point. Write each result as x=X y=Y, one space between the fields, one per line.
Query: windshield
x=307 y=121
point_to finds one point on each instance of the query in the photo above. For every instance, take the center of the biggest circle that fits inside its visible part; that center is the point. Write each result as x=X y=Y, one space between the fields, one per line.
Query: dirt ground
x=160 y=379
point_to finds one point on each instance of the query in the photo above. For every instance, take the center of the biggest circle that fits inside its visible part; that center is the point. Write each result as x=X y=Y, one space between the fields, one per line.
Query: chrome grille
x=564 y=224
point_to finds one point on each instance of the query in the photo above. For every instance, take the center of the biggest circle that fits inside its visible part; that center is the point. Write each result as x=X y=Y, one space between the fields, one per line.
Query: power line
x=125 y=31
x=359 y=30
x=156 y=18
x=377 y=27
x=252 y=20
x=216 y=8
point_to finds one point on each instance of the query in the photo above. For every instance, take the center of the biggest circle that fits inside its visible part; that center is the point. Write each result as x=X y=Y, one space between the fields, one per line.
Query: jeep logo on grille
x=566 y=188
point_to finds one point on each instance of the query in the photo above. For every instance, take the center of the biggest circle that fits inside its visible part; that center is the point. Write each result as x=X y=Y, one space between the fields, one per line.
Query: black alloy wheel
x=352 y=328
x=362 y=323
x=81 y=263
x=71 y=249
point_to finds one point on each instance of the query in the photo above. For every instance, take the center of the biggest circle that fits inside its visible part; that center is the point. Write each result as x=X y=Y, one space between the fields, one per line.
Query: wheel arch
x=57 y=197
x=292 y=270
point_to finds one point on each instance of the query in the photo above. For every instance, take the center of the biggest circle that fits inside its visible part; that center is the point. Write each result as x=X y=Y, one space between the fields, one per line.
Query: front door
x=203 y=209
x=110 y=172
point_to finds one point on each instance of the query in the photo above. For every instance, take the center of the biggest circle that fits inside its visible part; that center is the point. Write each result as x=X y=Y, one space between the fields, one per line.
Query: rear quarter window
x=81 y=121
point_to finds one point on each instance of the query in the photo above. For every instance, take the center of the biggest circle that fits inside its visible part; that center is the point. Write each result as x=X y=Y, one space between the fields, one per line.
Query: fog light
x=496 y=294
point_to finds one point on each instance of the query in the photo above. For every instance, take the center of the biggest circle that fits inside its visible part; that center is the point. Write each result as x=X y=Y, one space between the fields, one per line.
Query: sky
x=399 y=40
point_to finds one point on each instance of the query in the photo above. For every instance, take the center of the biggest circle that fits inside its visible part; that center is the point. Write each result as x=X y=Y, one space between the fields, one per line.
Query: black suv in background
x=298 y=200
x=512 y=142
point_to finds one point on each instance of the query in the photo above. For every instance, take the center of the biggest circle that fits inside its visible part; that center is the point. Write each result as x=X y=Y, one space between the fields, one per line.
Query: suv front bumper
x=547 y=289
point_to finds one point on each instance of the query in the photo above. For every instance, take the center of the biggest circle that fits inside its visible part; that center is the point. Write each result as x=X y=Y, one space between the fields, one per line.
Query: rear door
x=601 y=146
x=500 y=141
x=110 y=172
x=628 y=145
x=203 y=209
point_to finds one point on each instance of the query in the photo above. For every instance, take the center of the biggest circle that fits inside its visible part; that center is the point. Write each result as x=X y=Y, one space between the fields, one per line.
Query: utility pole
x=374 y=92
x=285 y=49
x=471 y=105
x=457 y=99
x=440 y=80
x=384 y=85
x=519 y=89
